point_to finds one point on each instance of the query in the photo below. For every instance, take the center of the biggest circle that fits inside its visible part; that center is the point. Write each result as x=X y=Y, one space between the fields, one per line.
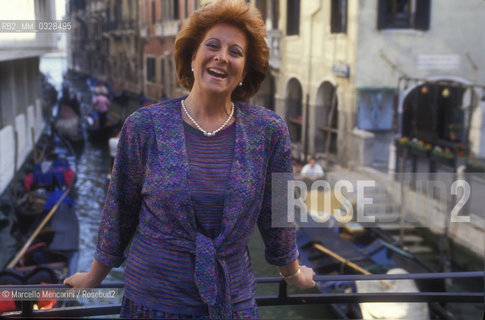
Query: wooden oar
x=348 y=263
x=27 y=244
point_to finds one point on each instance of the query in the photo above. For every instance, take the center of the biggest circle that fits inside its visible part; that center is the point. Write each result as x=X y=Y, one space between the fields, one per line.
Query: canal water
x=93 y=165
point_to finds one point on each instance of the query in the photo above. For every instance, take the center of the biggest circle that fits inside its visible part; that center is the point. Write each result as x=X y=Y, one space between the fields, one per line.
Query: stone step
x=379 y=197
x=384 y=208
x=395 y=226
x=375 y=197
x=379 y=217
x=419 y=249
x=409 y=238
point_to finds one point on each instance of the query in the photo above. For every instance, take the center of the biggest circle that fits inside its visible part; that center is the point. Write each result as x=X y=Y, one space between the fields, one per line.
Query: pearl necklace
x=206 y=133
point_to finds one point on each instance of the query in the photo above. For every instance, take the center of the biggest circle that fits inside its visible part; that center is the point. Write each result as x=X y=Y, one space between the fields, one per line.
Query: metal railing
x=282 y=297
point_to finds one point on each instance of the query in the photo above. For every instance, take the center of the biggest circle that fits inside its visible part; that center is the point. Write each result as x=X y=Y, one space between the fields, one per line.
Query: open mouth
x=217 y=73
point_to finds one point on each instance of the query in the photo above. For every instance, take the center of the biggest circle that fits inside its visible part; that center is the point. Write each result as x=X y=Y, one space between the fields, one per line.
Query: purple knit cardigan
x=149 y=195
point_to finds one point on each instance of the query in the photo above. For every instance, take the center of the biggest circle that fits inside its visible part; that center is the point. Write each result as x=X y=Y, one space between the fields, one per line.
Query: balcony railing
x=282 y=297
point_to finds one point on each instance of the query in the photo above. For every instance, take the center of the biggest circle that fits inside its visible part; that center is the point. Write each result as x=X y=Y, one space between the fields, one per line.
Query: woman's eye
x=211 y=45
x=237 y=52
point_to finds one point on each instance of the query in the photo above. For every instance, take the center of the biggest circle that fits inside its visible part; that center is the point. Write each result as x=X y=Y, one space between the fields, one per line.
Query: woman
x=192 y=177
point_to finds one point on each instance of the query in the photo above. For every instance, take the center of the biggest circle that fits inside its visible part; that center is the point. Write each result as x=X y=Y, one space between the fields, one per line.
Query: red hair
x=239 y=14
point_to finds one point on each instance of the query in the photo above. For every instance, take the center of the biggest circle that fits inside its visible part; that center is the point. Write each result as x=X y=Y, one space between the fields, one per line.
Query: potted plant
x=419 y=147
x=453 y=131
x=445 y=156
x=473 y=165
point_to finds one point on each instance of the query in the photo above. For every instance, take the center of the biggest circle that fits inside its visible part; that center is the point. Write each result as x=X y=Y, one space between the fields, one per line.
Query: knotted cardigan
x=149 y=195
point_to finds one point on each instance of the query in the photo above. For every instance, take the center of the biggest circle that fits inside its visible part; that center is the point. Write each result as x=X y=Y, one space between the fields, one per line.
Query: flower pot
x=453 y=136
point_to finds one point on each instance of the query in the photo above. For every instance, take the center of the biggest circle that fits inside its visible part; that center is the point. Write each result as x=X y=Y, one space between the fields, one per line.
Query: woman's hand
x=304 y=280
x=91 y=279
x=81 y=280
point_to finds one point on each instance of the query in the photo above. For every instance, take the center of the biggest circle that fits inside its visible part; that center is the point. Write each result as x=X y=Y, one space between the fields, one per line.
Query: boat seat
x=332 y=241
x=66 y=225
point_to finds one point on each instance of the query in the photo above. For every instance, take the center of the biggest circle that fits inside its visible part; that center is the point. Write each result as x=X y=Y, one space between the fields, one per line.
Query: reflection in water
x=90 y=185
x=93 y=165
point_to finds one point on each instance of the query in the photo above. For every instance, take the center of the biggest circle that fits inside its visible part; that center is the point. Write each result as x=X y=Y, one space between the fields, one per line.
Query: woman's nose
x=221 y=56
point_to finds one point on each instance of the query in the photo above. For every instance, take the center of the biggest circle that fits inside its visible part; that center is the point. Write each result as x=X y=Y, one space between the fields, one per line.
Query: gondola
x=98 y=134
x=330 y=247
x=41 y=187
x=44 y=221
x=68 y=125
x=51 y=257
x=6 y=210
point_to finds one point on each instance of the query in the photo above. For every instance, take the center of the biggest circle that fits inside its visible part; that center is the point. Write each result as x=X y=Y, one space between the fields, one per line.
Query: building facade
x=160 y=23
x=341 y=71
x=106 y=43
x=21 y=117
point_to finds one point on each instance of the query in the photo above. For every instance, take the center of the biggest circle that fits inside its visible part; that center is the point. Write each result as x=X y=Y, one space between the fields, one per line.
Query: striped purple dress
x=210 y=160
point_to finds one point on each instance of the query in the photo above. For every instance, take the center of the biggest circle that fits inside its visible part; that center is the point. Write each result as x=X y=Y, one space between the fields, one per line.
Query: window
x=338 y=19
x=404 y=14
x=293 y=17
x=154 y=12
x=170 y=10
x=117 y=13
x=175 y=10
x=261 y=5
x=150 y=69
x=162 y=67
x=275 y=13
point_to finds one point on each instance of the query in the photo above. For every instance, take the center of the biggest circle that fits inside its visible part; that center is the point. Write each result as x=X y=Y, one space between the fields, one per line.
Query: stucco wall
x=455 y=29
x=309 y=57
x=454 y=35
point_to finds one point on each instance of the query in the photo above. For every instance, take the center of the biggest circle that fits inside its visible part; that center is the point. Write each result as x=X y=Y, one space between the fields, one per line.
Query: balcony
x=273 y=41
x=167 y=28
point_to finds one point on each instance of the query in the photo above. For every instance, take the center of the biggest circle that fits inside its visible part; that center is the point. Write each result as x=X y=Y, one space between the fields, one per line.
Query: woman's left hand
x=304 y=280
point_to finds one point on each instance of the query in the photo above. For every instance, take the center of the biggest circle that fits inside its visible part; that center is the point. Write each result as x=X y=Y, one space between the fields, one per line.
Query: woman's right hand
x=91 y=279
x=81 y=280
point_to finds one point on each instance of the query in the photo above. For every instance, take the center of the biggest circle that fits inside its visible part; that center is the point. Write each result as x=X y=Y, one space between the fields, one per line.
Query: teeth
x=217 y=72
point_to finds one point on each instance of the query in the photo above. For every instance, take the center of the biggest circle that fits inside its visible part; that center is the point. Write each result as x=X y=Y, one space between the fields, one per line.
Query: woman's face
x=219 y=60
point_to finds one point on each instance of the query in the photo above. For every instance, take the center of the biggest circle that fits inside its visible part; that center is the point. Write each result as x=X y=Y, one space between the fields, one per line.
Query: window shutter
x=334 y=17
x=423 y=14
x=293 y=17
x=382 y=10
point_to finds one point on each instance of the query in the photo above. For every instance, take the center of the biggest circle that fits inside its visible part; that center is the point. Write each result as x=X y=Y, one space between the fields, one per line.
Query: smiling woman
x=219 y=63
x=192 y=178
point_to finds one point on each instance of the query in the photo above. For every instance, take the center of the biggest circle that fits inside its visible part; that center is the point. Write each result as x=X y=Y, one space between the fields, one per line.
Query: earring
x=192 y=69
x=240 y=84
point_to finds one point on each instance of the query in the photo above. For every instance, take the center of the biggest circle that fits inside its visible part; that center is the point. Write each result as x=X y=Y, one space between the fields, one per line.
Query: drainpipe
x=307 y=103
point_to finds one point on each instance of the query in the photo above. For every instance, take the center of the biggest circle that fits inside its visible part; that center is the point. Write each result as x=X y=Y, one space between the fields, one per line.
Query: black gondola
x=321 y=244
x=52 y=256
x=101 y=134
x=68 y=125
